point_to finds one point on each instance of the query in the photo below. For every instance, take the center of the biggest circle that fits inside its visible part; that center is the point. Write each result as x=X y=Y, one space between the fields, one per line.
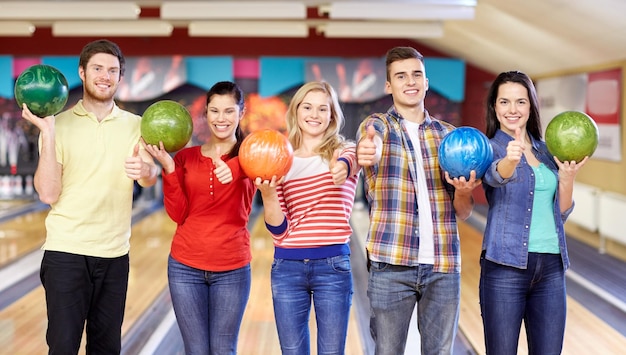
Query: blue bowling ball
x=463 y=150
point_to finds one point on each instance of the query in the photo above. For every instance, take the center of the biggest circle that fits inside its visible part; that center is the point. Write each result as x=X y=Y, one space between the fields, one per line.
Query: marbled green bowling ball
x=169 y=122
x=43 y=89
x=572 y=136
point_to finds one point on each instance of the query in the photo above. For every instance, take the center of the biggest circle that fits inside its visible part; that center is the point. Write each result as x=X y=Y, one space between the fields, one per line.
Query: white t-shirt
x=427 y=245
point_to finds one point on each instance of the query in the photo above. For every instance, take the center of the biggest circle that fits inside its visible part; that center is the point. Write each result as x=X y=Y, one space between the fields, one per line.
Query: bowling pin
x=13 y=149
x=18 y=185
x=5 y=186
x=28 y=188
x=4 y=131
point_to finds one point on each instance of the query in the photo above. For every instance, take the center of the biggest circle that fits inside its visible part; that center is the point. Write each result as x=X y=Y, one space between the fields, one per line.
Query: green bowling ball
x=572 y=135
x=169 y=122
x=43 y=89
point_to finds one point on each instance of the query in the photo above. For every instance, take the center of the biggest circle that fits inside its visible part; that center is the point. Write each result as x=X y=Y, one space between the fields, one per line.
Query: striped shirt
x=391 y=189
x=317 y=211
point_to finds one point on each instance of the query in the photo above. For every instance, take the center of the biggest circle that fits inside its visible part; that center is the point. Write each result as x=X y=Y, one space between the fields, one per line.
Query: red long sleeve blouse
x=212 y=217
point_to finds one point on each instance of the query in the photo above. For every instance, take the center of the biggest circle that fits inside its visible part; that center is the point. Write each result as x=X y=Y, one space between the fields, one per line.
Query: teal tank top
x=543 y=235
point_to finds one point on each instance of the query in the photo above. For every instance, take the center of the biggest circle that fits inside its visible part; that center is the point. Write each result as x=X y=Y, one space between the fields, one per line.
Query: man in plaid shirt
x=413 y=244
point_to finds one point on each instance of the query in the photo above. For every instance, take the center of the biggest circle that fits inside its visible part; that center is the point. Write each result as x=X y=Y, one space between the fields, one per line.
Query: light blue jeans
x=536 y=295
x=328 y=283
x=209 y=306
x=394 y=290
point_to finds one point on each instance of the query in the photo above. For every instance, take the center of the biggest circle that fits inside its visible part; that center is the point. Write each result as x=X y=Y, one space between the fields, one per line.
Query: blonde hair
x=332 y=139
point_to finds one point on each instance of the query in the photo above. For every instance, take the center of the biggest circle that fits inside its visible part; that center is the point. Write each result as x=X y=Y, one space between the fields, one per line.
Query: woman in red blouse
x=207 y=194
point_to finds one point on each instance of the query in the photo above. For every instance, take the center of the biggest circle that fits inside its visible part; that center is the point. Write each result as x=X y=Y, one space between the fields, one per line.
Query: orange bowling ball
x=265 y=153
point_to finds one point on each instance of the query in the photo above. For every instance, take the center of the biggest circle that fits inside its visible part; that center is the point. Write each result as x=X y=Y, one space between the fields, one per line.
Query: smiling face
x=101 y=77
x=314 y=114
x=407 y=83
x=512 y=107
x=223 y=116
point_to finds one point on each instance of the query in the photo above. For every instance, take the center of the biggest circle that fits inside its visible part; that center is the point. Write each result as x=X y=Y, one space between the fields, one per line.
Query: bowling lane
x=7 y=205
x=23 y=323
x=149 y=249
x=21 y=235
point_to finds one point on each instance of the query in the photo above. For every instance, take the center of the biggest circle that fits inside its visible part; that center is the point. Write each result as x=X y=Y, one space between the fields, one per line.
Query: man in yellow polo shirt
x=90 y=155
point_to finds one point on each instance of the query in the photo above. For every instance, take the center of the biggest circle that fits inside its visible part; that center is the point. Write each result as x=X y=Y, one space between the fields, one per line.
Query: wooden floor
x=23 y=323
x=20 y=236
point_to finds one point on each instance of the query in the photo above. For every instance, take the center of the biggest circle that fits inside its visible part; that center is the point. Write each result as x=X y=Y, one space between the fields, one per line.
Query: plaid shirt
x=391 y=187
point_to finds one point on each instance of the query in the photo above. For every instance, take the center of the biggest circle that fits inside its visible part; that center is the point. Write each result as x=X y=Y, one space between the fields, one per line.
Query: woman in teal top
x=524 y=253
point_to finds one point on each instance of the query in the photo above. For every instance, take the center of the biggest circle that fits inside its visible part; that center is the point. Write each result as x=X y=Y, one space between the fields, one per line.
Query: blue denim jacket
x=510 y=206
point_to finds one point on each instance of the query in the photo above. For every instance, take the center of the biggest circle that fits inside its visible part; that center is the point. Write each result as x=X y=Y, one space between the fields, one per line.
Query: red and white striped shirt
x=317 y=211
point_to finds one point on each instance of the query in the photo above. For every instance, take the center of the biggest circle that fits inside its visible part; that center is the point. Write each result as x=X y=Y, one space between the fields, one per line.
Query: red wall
x=477 y=83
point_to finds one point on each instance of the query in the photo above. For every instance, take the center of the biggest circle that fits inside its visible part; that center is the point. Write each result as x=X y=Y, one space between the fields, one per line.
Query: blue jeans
x=83 y=288
x=536 y=295
x=209 y=306
x=394 y=290
x=328 y=282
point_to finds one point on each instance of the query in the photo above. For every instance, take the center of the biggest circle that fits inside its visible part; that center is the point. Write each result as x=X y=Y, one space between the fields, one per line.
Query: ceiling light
x=397 y=11
x=248 y=29
x=154 y=28
x=197 y=10
x=346 y=29
x=16 y=28
x=68 y=10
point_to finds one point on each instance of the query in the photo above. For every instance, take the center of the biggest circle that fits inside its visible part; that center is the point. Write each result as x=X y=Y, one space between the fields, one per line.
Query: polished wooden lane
x=23 y=323
x=150 y=246
x=21 y=235
x=585 y=333
x=7 y=205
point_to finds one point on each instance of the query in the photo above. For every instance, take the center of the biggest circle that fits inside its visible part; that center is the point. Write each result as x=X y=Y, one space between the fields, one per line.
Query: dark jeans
x=83 y=288
x=536 y=295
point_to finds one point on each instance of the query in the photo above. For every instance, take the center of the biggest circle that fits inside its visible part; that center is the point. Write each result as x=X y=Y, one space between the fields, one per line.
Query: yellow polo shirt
x=93 y=214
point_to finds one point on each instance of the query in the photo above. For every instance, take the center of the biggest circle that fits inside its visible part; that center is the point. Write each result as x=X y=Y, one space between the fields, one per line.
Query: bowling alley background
x=267 y=82
x=456 y=94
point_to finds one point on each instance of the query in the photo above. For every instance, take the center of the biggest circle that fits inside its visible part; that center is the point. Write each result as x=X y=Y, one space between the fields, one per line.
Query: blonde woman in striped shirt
x=307 y=212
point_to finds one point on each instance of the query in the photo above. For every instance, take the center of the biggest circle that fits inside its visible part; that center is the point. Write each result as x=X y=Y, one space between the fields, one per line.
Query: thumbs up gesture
x=368 y=151
x=515 y=148
x=338 y=169
x=514 y=151
x=134 y=166
x=222 y=171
